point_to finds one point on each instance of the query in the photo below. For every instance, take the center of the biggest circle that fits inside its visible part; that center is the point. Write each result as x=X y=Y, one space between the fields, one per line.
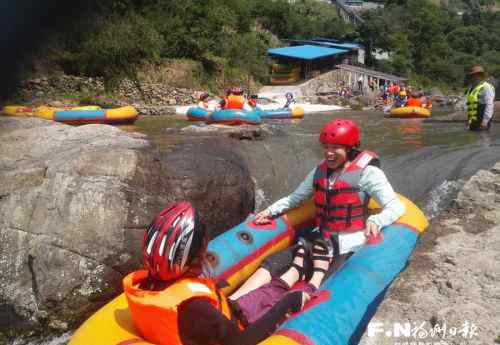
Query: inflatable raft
x=197 y=114
x=47 y=113
x=410 y=112
x=294 y=113
x=121 y=115
x=235 y=117
x=337 y=315
x=17 y=110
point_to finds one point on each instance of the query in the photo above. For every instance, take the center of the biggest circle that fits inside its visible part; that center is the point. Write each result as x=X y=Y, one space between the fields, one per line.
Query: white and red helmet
x=172 y=241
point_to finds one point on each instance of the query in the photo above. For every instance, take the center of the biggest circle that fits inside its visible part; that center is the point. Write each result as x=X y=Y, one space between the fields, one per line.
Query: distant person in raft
x=172 y=304
x=205 y=103
x=235 y=100
x=341 y=185
x=414 y=100
x=480 y=100
x=289 y=100
x=252 y=101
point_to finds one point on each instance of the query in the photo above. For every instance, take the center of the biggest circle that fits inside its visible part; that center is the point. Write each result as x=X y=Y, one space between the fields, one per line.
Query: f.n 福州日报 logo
x=422 y=333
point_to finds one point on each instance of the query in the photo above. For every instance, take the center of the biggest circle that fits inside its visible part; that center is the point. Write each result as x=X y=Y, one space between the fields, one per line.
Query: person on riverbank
x=168 y=296
x=341 y=186
x=289 y=100
x=480 y=100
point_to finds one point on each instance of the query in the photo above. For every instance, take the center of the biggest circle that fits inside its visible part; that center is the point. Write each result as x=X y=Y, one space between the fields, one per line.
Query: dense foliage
x=431 y=43
x=228 y=37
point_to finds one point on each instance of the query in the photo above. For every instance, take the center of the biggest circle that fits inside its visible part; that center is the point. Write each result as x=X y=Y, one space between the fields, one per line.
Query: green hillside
x=433 y=44
x=228 y=38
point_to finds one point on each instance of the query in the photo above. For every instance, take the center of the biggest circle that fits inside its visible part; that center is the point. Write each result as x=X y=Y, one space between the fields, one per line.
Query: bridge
x=346 y=13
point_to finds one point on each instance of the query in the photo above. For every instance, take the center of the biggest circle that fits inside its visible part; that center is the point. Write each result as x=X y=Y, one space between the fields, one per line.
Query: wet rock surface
x=450 y=292
x=74 y=202
x=244 y=132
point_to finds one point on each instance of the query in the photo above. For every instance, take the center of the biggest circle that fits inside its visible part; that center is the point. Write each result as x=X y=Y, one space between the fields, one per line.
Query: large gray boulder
x=73 y=205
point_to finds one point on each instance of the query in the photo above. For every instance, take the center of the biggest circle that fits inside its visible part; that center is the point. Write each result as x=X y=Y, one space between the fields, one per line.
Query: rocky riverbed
x=450 y=292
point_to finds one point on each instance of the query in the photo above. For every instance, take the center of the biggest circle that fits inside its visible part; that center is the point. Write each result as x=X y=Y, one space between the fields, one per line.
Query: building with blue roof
x=305 y=59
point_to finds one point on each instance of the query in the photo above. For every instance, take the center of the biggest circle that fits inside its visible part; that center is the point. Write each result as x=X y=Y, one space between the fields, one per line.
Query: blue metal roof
x=305 y=52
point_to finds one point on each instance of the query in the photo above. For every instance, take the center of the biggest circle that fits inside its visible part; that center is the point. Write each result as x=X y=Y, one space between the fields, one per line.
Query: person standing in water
x=480 y=100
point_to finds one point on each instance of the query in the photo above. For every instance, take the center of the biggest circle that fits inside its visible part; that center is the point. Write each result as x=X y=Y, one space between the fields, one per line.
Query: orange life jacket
x=343 y=207
x=234 y=102
x=413 y=102
x=155 y=312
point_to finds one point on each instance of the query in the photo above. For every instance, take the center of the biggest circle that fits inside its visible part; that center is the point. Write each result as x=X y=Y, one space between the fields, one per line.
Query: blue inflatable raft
x=123 y=115
x=197 y=114
x=235 y=117
x=284 y=113
x=339 y=312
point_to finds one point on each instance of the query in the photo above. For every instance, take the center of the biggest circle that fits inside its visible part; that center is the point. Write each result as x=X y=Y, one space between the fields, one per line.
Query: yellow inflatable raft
x=410 y=112
x=237 y=253
x=44 y=112
x=17 y=110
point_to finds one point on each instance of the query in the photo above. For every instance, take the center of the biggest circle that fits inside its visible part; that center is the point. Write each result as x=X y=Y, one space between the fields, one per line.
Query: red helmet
x=175 y=237
x=237 y=90
x=340 y=132
x=204 y=96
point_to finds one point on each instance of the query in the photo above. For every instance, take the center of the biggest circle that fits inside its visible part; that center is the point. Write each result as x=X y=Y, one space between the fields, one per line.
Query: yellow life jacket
x=475 y=111
x=155 y=313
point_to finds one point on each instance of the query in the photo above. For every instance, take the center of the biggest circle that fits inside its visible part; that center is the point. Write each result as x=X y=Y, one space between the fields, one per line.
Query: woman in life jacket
x=341 y=185
x=170 y=294
x=235 y=99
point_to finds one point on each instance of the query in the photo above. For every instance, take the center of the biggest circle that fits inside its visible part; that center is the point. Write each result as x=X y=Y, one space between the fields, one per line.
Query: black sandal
x=301 y=244
x=324 y=253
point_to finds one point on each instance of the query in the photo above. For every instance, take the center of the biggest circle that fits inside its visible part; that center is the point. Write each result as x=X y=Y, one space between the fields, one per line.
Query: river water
x=424 y=160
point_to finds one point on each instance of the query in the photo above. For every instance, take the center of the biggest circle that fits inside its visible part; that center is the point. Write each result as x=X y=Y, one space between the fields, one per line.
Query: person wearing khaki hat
x=480 y=98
